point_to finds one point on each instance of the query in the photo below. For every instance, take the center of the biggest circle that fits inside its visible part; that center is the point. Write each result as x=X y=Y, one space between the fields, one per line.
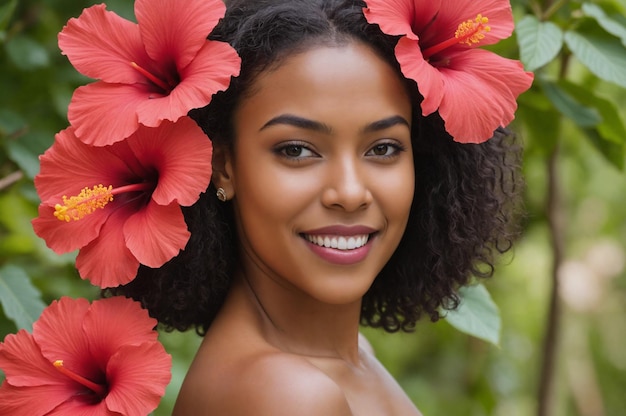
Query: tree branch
x=550 y=341
x=10 y=179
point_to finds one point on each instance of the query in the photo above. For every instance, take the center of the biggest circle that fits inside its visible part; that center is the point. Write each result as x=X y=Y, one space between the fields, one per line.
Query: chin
x=342 y=290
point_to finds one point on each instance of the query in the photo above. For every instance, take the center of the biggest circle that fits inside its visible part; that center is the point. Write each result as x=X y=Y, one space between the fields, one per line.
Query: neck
x=298 y=324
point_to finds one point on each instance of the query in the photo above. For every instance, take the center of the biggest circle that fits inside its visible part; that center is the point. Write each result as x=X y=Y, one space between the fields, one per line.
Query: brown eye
x=381 y=149
x=293 y=150
x=385 y=150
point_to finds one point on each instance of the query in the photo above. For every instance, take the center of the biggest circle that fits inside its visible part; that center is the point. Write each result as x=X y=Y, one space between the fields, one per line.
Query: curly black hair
x=465 y=202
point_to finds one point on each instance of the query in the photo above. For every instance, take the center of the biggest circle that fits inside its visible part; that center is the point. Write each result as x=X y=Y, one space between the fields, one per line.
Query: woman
x=333 y=202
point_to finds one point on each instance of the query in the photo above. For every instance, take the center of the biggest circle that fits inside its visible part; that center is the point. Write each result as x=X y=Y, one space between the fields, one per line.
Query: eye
x=381 y=150
x=294 y=151
x=385 y=150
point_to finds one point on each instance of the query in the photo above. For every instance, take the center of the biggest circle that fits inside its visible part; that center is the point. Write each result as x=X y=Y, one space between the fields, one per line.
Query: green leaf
x=612 y=152
x=10 y=123
x=16 y=214
x=608 y=136
x=27 y=54
x=541 y=120
x=539 y=42
x=477 y=315
x=611 y=128
x=613 y=25
x=25 y=151
x=605 y=56
x=61 y=97
x=20 y=300
x=570 y=107
x=6 y=12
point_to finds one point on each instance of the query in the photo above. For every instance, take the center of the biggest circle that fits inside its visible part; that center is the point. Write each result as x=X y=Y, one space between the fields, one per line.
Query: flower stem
x=99 y=389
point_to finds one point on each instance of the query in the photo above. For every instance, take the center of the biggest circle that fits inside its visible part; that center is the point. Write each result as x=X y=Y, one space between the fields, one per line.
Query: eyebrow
x=300 y=122
x=307 y=124
x=386 y=123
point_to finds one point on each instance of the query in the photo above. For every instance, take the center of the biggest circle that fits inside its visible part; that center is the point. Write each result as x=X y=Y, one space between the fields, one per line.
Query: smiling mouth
x=338 y=242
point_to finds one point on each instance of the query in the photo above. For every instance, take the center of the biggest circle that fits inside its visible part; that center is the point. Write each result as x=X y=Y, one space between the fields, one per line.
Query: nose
x=346 y=186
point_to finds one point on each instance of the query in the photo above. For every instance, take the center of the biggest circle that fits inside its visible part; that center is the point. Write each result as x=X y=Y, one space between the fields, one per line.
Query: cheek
x=395 y=194
x=269 y=196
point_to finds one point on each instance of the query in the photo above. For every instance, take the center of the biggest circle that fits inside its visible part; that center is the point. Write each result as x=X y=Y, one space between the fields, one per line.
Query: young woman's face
x=322 y=172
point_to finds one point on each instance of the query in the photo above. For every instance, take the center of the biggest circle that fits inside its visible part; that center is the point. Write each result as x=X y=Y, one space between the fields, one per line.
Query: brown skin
x=286 y=341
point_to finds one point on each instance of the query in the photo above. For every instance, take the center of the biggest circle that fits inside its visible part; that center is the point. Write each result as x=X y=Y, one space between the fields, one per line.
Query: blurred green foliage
x=572 y=125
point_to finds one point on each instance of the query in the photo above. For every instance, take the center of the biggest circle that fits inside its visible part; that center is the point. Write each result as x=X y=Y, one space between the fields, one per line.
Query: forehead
x=343 y=83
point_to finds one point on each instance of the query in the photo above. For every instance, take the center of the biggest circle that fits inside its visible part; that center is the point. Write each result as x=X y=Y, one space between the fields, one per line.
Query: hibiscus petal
x=156 y=234
x=63 y=237
x=105 y=113
x=113 y=322
x=82 y=407
x=138 y=376
x=139 y=167
x=24 y=365
x=452 y=13
x=69 y=166
x=480 y=92
x=181 y=153
x=59 y=333
x=172 y=33
x=402 y=17
x=207 y=74
x=428 y=78
x=34 y=400
x=106 y=261
x=101 y=45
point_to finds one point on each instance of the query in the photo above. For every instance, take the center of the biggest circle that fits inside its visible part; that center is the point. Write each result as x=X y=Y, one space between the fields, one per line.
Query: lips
x=338 y=242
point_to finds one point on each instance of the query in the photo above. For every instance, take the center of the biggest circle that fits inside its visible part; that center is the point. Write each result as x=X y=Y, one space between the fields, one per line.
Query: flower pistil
x=100 y=390
x=165 y=86
x=469 y=32
x=89 y=200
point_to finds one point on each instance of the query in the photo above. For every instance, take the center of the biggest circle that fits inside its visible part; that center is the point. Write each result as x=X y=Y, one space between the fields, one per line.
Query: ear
x=222 y=164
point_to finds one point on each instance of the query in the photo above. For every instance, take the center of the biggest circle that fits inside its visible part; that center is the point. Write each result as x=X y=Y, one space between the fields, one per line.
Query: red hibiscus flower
x=157 y=69
x=126 y=198
x=474 y=90
x=82 y=359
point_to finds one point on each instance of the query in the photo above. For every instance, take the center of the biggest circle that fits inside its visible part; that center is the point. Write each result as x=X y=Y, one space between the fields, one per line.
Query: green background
x=572 y=125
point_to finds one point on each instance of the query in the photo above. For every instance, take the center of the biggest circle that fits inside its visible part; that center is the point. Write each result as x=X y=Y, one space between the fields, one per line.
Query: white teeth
x=338 y=242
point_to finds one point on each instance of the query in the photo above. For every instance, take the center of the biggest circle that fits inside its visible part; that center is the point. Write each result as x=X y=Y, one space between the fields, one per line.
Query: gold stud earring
x=221 y=194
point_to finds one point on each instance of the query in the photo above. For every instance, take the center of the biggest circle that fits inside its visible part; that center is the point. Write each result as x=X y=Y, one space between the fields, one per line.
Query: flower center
x=468 y=32
x=89 y=200
x=100 y=390
x=166 y=86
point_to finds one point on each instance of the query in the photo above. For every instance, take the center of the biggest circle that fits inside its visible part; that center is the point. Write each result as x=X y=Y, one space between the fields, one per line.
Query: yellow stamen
x=99 y=389
x=83 y=204
x=469 y=33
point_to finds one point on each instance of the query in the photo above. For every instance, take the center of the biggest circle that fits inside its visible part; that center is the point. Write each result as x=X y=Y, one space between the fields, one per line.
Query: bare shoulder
x=281 y=384
x=268 y=383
